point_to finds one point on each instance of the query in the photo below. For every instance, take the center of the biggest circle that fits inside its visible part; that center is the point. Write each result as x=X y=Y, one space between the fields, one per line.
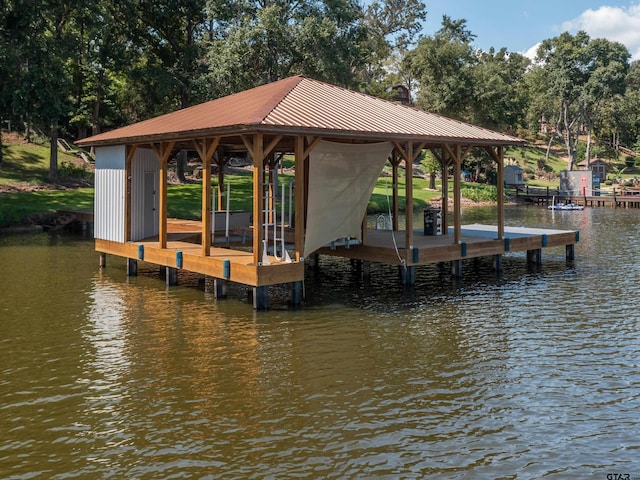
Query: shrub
x=71 y=170
x=479 y=193
x=629 y=161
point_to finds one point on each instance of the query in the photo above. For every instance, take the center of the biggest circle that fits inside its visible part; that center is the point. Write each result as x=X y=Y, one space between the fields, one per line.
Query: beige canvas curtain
x=341 y=180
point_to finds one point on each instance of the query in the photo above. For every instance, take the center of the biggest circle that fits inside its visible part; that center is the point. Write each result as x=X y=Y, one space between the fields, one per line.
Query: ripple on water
x=523 y=375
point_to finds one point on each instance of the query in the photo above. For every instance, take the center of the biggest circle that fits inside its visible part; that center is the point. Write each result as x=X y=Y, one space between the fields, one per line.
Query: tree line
x=78 y=68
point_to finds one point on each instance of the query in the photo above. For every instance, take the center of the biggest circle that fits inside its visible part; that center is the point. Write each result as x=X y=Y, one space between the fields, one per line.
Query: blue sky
x=519 y=25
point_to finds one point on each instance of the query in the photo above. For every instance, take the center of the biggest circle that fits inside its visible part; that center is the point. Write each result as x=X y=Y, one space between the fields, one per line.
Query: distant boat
x=564 y=206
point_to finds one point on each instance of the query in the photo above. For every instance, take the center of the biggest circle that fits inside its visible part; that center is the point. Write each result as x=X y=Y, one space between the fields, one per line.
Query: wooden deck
x=235 y=262
x=184 y=251
x=477 y=241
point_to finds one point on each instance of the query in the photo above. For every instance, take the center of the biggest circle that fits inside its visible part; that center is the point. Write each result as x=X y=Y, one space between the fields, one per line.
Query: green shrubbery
x=480 y=193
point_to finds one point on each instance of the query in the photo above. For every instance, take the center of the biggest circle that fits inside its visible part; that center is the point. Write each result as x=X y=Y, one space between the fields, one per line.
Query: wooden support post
x=534 y=257
x=407 y=275
x=171 y=276
x=497 y=262
x=570 y=253
x=408 y=207
x=299 y=196
x=257 y=154
x=395 y=209
x=132 y=267
x=500 y=161
x=261 y=298
x=163 y=152
x=498 y=157
x=408 y=153
x=456 y=268
x=445 y=197
x=457 y=194
x=206 y=148
x=296 y=294
x=103 y=260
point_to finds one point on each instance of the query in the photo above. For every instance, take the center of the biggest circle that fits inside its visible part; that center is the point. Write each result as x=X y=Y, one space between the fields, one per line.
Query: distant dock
x=616 y=198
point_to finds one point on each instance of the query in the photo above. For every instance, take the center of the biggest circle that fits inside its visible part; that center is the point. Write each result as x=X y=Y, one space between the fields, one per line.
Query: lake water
x=528 y=374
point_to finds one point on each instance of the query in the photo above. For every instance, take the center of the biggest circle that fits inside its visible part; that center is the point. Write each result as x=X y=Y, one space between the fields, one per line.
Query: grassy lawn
x=29 y=164
x=15 y=208
x=531 y=158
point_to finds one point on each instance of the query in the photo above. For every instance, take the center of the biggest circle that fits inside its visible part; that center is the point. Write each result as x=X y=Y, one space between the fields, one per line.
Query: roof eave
x=235 y=130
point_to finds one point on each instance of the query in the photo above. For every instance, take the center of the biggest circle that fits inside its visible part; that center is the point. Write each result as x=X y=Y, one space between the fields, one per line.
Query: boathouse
x=340 y=141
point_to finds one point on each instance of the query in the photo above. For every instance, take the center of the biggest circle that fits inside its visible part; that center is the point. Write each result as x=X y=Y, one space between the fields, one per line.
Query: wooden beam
x=457 y=207
x=313 y=143
x=163 y=152
x=395 y=180
x=257 y=153
x=206 y=147
x=400 y=149
x=272 y=145
x=444 y=159
x=221 y=161
x=498 y=157
x=300 y=194
x=417 y=150
x=408 y=207
x=440 y=157
x=248 y=143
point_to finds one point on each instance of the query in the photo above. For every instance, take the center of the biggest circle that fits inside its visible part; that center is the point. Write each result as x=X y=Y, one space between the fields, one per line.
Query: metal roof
x=301 y=105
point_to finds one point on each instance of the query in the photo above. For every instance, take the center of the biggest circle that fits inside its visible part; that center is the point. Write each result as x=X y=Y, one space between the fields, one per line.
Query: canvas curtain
x=341 y=180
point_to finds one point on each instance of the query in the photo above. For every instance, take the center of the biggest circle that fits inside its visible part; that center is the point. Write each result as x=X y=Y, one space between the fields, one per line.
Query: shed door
x=149 y=212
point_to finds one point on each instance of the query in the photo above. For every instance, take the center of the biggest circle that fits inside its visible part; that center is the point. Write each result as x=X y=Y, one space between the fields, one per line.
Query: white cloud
x=531 y=53
x=618 y=24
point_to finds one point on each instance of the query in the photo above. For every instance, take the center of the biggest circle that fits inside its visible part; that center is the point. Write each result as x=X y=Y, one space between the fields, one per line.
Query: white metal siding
x=144 y=160
x=109 y=193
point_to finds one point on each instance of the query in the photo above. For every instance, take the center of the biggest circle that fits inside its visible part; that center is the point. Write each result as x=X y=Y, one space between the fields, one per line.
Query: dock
x=615 y=198
x=338 y=141
x=234 y=262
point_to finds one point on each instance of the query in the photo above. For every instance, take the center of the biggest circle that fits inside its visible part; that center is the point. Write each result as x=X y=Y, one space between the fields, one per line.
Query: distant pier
x=616 y=198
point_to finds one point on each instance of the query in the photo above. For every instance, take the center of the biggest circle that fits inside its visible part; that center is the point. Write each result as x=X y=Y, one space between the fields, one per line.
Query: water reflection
x=523 y=375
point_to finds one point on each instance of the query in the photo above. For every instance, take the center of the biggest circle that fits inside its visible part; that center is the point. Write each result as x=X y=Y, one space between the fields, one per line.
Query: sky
x=520 y=25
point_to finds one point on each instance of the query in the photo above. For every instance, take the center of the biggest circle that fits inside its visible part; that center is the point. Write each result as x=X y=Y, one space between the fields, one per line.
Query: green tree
x=607 y=70
x=268 y=40
x=170 y=74
x=392 y=26
x=101 y=64
x=499 y=98
x=626 y=113
x=578 y=75
x=443 y=66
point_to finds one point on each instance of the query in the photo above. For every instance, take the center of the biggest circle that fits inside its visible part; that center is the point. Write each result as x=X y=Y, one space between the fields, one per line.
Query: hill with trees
x=72 y=69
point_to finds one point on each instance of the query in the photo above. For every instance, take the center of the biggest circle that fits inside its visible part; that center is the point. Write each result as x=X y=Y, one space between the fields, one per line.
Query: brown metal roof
x=302 y=105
